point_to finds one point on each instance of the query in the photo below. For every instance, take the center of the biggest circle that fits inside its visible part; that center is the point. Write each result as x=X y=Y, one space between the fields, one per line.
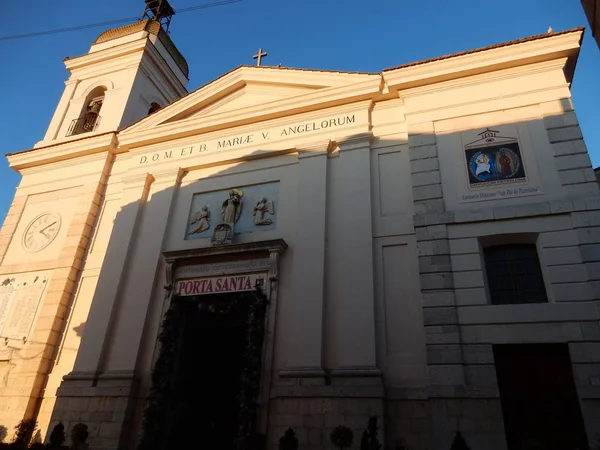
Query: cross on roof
x=259 y=56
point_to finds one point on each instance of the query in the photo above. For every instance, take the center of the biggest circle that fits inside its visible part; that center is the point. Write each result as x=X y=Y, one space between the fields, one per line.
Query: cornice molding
x=103 y=55
x=105 y=142
x=322 y=147
x=277 y=246
x=560 y=46
x=354 y=142
x=239 y=118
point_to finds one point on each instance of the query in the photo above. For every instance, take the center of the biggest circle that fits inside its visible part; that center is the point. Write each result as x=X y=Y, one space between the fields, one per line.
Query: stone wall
x=105 y=405
x=314 y=418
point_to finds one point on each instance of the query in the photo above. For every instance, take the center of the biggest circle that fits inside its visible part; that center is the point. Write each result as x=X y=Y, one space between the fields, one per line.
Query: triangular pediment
x=249 y=93
x=247 y=96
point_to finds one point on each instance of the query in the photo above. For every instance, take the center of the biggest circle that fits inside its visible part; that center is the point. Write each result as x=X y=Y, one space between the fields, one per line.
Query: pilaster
x=138 y=287
x=350 y=242
x=10 y=223
x=135 y=193
x=309 y=259
x=61 y=111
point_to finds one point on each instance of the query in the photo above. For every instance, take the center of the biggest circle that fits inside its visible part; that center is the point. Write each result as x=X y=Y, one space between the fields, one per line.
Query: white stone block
x=426 y=178
x=582 y=190
x=556 y=107
x=590 y=252
x=573 y=273
x=593 y=270
x=427 y=192
x=590 y=330
x=444 y=354
x=474 y=215
x=526 y=313
x=446 y=375
x=436 y=281
x=447 y=334
x=424 y=165
x=481 y=375
x=564 y=238
x=561 y=255
x=575 y=176
x=569 y=162
x=567 y=119
x=561 y=206
x=431 y=264
x=429 y=151
x=569 y=148
x=437 y=231
x=439 y=316
x=478 y=354
x=470 y=279
x=589 y=235
x=473 y=296
x=533 y=209
x=528 y=333
x=585 y=352
x=461 y=246
x=564 y=134
x=435 y=247
x=437 y=298
x=420 y=140
x=573 y=292
x=429 y=207
x=470 y=261
x=592 y=203
x=586 y=219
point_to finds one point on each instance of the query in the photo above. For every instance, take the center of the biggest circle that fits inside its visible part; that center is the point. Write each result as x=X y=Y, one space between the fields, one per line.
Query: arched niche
x=89 y=118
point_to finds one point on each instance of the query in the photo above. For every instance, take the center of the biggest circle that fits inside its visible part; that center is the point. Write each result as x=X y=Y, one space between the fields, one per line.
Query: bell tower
x=128 y=73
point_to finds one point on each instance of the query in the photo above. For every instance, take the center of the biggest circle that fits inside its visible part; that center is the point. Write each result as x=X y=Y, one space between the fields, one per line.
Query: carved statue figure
x=201 y=221
x=232 y=207
x=263 y=206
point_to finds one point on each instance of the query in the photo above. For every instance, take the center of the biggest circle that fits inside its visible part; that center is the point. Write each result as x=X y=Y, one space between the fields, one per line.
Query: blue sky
x=354 y=35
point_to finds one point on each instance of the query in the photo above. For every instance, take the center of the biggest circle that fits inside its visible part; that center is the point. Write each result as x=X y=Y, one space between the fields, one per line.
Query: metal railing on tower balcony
x=85 y=124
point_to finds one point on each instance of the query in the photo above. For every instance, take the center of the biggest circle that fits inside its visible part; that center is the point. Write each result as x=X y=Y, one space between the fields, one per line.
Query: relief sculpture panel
x=220 y=215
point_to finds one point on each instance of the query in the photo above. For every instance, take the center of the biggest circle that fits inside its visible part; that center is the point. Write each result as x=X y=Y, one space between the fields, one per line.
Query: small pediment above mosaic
x=219 y=215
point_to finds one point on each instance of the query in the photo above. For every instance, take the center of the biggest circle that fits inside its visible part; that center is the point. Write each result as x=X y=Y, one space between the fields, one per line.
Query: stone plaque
x=8 y=290
x=24 y=308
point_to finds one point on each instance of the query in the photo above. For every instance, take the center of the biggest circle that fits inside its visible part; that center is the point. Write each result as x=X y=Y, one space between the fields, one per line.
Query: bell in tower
x=159 y=10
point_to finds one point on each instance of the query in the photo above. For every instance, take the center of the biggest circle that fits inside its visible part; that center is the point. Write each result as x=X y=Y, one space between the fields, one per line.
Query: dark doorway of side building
x=210 y=357
x=539 y=400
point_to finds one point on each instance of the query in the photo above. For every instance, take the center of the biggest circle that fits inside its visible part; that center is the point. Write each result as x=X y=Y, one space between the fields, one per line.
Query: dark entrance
x=206 y=379
x=540 y=404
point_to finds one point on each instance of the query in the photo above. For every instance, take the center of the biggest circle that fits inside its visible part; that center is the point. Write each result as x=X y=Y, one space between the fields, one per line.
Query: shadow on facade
x=413 y=203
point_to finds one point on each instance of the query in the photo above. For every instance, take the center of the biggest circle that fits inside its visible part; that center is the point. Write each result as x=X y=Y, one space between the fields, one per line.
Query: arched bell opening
x=89 y=119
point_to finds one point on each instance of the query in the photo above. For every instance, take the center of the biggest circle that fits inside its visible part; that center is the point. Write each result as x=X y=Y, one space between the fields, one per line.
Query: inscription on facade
x=19 y=313
x=8 y=291
x=219 y=285
x=234 y=142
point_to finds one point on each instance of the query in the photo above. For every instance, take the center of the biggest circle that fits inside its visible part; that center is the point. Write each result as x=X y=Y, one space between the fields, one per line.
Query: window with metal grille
x=514 y=274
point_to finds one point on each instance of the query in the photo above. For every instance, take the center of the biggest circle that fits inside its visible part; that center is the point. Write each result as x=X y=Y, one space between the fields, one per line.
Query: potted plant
x=342 y=437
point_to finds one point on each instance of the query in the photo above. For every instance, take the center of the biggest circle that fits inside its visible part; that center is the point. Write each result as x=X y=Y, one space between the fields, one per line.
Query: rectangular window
x=514 y=274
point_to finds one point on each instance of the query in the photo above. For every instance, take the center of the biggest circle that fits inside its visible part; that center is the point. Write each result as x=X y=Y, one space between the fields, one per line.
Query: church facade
x=308 y=249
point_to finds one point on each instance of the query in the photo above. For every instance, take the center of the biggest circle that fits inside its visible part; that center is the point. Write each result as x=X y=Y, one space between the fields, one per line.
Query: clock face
x=41 y=232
